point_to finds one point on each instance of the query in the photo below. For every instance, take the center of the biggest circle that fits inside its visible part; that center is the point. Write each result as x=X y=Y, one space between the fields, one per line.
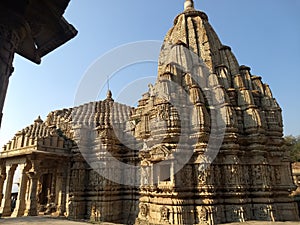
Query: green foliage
x=293 y=145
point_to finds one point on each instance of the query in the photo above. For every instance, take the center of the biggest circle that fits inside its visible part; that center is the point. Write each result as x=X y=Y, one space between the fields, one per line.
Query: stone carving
x=243 y=164
x=203 y=176
x=237 y=214
x=96 y=180
x=162 y=112
x=164 y=214
x=187 y=176
x=264 y=212
x=144 y=210
x=277 y=175
x=203 y=216
x=217 y=175
x=257 y=174
x=151 y=90
x=145 y=175
x=296 y=176
x=249 y=168
x=158 y=153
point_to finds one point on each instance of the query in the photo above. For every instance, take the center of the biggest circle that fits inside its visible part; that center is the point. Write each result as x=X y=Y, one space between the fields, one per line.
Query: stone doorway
x=44 y=194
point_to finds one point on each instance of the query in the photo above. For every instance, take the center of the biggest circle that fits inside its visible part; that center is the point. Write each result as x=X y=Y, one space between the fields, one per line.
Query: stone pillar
x=67 y=187
x=27 y=189
x=31 y=206
x=11 y=32
x=58 y=191
x=53 y=188
x=21 y=201
x=33 y=175
x=61 y=182
x=2 y=179
x=5 y=209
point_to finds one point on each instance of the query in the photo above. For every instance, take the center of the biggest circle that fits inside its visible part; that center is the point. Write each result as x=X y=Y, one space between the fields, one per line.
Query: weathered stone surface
x=250 y=177
x=203 y=146
x=296 y=176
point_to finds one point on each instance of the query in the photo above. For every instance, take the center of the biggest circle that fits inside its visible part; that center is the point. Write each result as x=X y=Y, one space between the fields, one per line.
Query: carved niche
x=204 y=175
x=144 y=210
x=263 y=212
x=203 y=215
x=164 y=214
x=237 y=213
x=157 y=153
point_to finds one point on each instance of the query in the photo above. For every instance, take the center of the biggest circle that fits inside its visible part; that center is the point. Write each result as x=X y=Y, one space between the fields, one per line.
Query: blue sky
x=264 y=35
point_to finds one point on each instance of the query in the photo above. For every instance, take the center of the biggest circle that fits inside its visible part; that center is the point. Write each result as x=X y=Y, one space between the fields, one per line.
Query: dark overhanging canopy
x=45 y=27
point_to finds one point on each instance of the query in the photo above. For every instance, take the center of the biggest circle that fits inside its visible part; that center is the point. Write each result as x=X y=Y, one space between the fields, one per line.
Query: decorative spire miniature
x=109 y=95
x=39 y=120
x=188 y=4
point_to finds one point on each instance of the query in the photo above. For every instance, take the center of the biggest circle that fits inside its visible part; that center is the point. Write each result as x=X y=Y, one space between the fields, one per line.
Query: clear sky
x=263 y=34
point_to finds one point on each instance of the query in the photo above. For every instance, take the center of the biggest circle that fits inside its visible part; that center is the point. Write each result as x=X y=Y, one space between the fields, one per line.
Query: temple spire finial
x=38 y=120
x=188 y=4
x=109 y=95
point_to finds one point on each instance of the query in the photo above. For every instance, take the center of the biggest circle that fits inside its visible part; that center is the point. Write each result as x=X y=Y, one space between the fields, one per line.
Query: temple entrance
x=39 y=186
x=44 y=194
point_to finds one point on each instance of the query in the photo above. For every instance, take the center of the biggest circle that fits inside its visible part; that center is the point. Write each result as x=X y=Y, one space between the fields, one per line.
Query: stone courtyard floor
x=55 y=221
x=264 y=223
x=42 y=220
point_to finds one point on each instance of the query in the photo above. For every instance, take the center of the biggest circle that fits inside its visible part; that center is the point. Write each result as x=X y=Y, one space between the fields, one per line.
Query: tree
x=293 y=145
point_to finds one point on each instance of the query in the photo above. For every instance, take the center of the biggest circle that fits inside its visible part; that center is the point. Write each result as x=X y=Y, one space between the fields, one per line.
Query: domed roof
x=100 y=115
x=37 y=136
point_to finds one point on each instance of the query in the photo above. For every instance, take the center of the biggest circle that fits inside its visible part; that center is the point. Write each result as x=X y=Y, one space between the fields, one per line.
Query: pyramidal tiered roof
x=61 y=123
x=192 y=29
x=193 y=35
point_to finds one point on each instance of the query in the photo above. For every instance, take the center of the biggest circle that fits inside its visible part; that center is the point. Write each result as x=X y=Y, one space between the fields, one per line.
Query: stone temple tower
x=203 y=146
x=213 y=149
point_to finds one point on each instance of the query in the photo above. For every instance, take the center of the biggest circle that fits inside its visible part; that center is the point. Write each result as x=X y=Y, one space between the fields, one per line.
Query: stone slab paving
x=265 y=223
x=55 y=221
x=42 y=221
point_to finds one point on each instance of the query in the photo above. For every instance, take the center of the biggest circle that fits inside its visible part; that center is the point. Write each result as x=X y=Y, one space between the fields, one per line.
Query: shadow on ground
x=62 y=221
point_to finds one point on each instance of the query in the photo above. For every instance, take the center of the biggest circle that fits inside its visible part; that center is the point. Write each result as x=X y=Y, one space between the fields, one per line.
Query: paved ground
x=264 y=223
x=52 y=221
x=42 y=221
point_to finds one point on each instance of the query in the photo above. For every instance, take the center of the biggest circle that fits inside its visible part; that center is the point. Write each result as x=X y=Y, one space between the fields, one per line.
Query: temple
x=203 y=146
